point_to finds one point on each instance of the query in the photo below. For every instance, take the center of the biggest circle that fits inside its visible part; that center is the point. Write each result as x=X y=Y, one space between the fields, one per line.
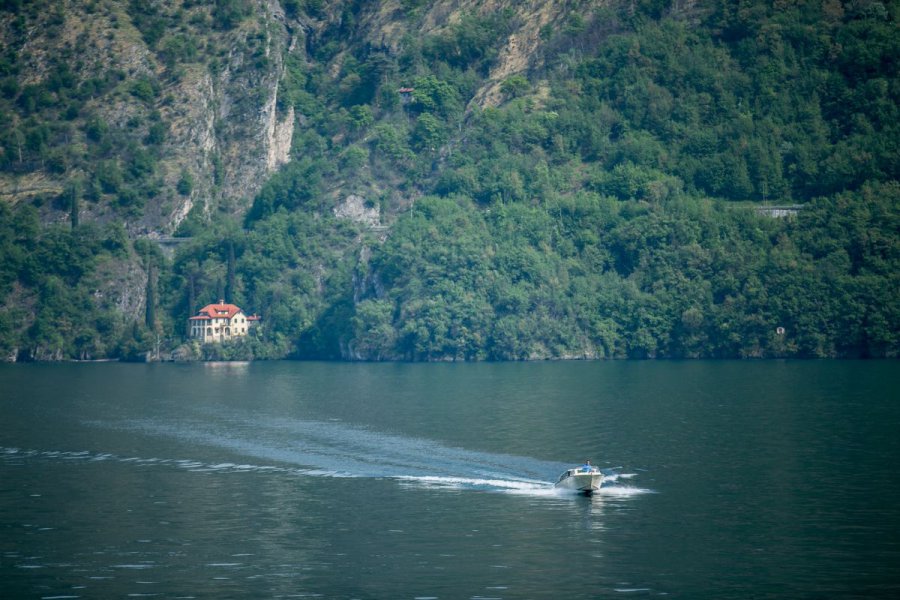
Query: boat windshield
x=579 y=471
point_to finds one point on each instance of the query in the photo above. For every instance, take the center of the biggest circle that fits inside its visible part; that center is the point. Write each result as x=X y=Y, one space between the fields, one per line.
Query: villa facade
x=220 y=322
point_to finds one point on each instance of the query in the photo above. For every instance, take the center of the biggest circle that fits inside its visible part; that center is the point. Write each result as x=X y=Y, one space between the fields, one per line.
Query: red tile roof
x=217 y=311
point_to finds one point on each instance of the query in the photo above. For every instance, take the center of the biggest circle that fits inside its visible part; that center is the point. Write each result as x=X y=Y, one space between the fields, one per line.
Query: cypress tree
x=150 y=315
x=73 y=211
x=72 y=199
x=192 y=294
x=230 y=276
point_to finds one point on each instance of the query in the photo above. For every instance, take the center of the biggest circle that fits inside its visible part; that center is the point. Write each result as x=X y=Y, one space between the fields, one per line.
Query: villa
x=220 y=322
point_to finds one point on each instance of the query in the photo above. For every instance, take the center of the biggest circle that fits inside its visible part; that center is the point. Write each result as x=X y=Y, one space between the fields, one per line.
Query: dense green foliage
x=602 y=278
x=60 y=300
x=604 y=207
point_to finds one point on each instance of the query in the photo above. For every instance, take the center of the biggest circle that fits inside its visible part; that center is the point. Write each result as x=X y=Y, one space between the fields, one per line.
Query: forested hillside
x=451 y=180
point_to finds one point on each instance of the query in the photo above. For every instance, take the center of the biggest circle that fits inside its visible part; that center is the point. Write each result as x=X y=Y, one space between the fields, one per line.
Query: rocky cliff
x=186 y=105
x=181 y=99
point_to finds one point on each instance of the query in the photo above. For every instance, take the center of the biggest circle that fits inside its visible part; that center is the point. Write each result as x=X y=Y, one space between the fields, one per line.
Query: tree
x=515 y=86
x=72 y=200
x=230 y=276
x=429 y=134
x=150 y=301
x=185 y=183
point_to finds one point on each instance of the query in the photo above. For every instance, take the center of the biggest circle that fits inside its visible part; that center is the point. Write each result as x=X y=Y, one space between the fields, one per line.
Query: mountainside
x=450 y=179
x=148 y=109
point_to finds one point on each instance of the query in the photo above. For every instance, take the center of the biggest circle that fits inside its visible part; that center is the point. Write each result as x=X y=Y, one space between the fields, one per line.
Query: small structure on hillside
x=220 y=322
x=779 y=212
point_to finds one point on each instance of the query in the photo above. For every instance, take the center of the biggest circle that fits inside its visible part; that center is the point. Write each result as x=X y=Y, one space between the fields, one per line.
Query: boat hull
x=586 y=483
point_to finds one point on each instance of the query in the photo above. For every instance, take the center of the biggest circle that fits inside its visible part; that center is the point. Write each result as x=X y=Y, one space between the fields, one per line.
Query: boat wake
x=524 y=487
x=20 y=455
x=339 y=450
x=333 y=449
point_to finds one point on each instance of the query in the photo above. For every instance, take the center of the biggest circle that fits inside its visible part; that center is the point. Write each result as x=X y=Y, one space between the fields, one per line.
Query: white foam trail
x=622 y=491
x=189 y=465
x=352 y=451
x=503 y=483
x=516 y=487
x=338 y=451
x=523 y=487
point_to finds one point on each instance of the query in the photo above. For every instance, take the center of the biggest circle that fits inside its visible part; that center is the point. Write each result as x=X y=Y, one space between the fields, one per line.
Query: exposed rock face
x=17 y=188
x=251 y=138
x=225 y=130
x=223 y=127
x=354 y=208
x=279 y=136
x=122 y=284
x=518 y=51
x=233 y=136
x=385 y=24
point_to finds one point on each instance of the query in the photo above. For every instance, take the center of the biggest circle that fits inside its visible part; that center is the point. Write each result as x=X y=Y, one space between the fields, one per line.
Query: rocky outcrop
x=217 y=103
x=384 y=24
x=518 y=52
x=24 y=187
x=355 y=208
x=228 y=133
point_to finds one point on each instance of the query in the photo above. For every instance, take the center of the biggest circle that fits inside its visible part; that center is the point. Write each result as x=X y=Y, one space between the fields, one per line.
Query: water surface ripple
x=269 y=480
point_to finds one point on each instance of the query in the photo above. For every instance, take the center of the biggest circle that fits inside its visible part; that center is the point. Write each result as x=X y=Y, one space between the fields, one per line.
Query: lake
x=771 y=479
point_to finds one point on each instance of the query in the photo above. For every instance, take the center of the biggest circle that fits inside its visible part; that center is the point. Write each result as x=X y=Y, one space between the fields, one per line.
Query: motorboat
x=586 y=479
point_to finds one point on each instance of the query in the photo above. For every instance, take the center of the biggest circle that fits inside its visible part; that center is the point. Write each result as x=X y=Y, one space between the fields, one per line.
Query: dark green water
x=269 y=480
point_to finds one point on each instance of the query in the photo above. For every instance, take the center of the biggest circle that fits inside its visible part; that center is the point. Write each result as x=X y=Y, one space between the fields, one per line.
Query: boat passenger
x=587 y=467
